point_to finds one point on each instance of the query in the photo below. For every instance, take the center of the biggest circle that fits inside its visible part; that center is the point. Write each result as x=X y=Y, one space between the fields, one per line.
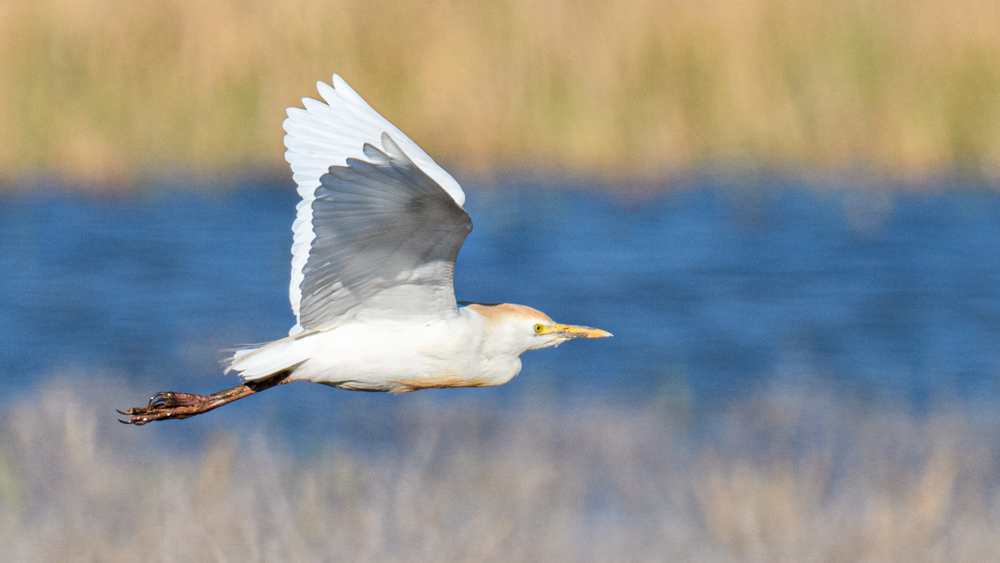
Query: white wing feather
x=325 y=135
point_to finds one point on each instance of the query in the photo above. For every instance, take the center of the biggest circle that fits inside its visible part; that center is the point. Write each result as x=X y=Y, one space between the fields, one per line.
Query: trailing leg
x=168 y=404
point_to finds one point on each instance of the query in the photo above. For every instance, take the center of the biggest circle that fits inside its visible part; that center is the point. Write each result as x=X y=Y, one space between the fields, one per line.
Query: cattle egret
x=375 y=240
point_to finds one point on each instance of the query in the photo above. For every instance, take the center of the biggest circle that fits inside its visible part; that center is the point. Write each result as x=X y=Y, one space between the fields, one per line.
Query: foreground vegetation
x=106 y=89
x=783 y=476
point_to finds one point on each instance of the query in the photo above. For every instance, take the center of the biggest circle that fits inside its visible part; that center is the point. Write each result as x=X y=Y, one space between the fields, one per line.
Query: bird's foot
x=167 y=405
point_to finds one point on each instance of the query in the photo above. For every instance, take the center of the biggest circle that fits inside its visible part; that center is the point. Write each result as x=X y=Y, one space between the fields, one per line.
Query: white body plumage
x=468 y=349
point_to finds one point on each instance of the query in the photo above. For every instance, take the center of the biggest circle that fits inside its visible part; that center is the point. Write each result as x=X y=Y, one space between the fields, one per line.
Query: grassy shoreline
x=111 y=90
x=783 y=476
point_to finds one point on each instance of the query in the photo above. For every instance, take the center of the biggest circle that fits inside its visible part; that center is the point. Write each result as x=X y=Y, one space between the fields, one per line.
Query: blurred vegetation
x=782 y=477
x=106 y=89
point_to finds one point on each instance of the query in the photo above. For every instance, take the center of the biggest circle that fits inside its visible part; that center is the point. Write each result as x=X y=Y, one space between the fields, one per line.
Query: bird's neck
x=496 y=334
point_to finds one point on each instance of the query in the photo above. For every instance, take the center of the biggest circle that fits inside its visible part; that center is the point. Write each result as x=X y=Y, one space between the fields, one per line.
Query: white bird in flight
x=376 y=236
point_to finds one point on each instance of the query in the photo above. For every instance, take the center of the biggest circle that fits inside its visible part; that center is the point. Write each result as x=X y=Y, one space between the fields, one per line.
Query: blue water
x=711 y=291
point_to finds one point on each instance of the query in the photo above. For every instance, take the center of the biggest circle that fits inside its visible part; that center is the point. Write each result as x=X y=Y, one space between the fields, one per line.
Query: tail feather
x=263 y=361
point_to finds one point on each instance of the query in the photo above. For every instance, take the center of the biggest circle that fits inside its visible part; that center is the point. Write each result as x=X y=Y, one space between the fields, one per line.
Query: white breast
x=391 y=356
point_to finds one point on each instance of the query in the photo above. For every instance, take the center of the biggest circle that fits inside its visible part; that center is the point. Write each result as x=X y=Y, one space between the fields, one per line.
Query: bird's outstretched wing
x=378 y=230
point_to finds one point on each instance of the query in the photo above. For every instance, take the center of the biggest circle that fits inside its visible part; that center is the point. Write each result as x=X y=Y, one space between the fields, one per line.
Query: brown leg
x=167 y=405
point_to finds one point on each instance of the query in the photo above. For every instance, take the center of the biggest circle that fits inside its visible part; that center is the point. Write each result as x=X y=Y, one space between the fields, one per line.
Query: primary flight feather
x=375 y=240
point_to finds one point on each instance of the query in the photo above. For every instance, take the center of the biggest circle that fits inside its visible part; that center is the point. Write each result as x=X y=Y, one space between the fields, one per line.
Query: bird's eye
x=538 y=329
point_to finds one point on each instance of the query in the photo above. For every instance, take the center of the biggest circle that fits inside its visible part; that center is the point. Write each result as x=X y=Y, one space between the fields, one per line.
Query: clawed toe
x=163 y=406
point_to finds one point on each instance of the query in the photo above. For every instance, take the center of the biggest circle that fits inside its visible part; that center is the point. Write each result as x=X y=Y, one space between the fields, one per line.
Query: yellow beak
x=579 y=331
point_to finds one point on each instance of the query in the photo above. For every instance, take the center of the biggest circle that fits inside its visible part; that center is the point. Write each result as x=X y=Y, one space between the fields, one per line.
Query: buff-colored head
x=523 y=328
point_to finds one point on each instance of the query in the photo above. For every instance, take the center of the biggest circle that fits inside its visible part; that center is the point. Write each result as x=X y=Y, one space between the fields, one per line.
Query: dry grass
x=782 y=477
x=112 y=88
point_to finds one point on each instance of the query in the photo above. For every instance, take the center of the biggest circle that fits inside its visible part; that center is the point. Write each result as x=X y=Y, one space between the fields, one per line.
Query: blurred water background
x=786 y=212
x=712 y=291
x=797 y=371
